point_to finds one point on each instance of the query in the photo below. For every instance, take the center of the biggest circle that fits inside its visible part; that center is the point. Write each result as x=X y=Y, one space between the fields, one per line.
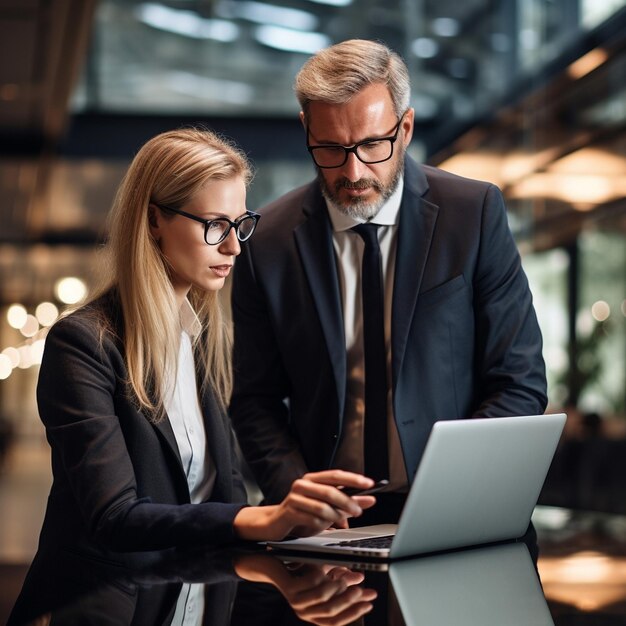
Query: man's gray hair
x=336 y=74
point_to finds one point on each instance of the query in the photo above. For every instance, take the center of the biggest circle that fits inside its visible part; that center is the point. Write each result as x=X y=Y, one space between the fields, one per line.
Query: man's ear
x=303 y=119
x=408 y=125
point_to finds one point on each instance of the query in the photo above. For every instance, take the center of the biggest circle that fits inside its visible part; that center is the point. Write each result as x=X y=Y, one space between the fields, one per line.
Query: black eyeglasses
x=375 y=150
x=216 y=230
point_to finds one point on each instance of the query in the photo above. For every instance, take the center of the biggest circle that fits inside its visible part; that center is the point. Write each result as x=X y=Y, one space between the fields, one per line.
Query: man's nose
x=353 y=169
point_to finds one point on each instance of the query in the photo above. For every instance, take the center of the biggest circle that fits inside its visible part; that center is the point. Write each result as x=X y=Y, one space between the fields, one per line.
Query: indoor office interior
x=527 y=94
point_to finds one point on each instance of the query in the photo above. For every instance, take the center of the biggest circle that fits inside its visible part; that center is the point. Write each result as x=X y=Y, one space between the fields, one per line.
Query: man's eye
x=371 y=145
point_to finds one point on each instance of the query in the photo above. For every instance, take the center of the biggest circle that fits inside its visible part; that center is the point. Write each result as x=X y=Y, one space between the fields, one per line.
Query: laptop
x=476 y=587
x=478 y=482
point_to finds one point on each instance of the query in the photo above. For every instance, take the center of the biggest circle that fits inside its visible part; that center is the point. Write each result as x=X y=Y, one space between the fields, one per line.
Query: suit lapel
x=166 y=433
x=163 y=427
x=415 y=231
x=315 y=245
x=218 y=447
x=218 y=444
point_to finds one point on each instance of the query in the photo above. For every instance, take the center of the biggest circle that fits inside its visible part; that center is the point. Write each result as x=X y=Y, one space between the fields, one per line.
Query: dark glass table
x=580 y=578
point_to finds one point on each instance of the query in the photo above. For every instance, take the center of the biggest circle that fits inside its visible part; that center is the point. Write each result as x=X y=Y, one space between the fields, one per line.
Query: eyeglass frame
x=207 y=223
x=353 y=149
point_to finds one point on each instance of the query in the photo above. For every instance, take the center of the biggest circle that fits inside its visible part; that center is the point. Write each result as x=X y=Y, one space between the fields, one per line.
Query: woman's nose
x=231 y=244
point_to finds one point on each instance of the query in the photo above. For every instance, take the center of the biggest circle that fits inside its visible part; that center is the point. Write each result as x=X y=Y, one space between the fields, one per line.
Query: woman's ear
x=153 y=220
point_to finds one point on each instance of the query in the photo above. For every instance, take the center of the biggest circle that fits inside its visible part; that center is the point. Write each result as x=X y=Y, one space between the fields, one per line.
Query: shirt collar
x=189 y=320
x=386 y=216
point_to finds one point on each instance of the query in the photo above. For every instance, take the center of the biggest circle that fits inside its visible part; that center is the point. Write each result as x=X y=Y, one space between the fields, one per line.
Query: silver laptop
x=478 y=482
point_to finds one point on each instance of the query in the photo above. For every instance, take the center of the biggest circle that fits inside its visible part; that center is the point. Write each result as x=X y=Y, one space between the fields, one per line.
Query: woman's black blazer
x=118 y=483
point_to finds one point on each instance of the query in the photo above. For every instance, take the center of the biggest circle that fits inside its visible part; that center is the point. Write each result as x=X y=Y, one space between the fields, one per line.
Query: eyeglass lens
x=369 y=152
x=217 y=230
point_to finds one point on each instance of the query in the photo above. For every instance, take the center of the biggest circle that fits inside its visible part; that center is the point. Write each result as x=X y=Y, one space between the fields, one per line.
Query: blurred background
x=528 y=94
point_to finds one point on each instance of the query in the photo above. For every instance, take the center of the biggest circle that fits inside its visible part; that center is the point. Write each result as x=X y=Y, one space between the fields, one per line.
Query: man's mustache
x=363 y=183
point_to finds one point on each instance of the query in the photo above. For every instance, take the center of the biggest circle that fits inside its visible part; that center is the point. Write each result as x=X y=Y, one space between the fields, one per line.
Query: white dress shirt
x=185 y=414
x=190 y=605
x=349 y=247
x=183 y=409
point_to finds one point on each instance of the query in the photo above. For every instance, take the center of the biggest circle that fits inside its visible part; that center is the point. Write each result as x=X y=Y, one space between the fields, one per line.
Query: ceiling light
x=581 y=191
x=46 y=313
x=13 y=355
x=291 y=40
x=333 y=3
x=446 y=27
x=587 y=63
x=425 y=48
x=186 y=23
x=601 y=311
x=529 y=39
x=16 y=316
x=70 y=290
x=5 y=367
x=262 y=13
x=213 y=89
x=26 y=359
x=591 y=161
x=30 y=327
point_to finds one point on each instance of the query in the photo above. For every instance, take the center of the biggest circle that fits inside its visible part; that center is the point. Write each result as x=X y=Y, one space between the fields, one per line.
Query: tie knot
x=368 y=232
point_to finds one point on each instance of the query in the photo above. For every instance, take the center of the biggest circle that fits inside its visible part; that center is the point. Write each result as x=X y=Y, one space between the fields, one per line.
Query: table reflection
x=494 y=585
x=482 y=586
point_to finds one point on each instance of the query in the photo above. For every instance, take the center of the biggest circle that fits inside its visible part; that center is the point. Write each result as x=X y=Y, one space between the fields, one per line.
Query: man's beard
x=358 y=208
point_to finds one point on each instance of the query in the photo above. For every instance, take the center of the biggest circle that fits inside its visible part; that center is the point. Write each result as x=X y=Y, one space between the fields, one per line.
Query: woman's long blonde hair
x=169 y=170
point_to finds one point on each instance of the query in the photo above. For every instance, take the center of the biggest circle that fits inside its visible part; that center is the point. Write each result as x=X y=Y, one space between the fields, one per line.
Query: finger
x=308 y=599
x=351 y=577
x=334 y=606
x=342 y=525
x=337 y=477
x=328 y=494
x=297 y=524
x=318 y=507
x=302 y=585
x=365 y=502
x=349 y=616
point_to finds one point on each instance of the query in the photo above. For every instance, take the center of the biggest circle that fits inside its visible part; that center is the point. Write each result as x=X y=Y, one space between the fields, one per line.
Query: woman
x=133 y=386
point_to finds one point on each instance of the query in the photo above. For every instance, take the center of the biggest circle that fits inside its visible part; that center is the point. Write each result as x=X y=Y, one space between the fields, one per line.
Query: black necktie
x=375 y=428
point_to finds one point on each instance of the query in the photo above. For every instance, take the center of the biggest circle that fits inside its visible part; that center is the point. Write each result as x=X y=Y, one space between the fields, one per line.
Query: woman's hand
x=321 y=594
x=314 y=504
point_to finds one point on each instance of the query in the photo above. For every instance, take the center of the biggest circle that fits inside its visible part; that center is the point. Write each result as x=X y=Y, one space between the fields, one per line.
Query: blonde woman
x=133 y=385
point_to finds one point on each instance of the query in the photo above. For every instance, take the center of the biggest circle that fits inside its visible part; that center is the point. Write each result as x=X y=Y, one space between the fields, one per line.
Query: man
x=458 y=337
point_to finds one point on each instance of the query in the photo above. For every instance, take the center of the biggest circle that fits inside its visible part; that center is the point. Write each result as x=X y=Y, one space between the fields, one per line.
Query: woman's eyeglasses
x=218 y=229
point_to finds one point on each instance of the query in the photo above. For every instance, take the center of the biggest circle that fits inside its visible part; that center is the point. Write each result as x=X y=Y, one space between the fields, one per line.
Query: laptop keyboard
x=370 y=542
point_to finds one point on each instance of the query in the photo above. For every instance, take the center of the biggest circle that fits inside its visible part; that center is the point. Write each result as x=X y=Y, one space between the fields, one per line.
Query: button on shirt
x=183 y=410
x=190 y=605
x=348 y=247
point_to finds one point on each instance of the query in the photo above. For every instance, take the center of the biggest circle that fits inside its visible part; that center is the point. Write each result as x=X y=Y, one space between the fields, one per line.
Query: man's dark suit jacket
x=465 y=338
x=118 y=482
